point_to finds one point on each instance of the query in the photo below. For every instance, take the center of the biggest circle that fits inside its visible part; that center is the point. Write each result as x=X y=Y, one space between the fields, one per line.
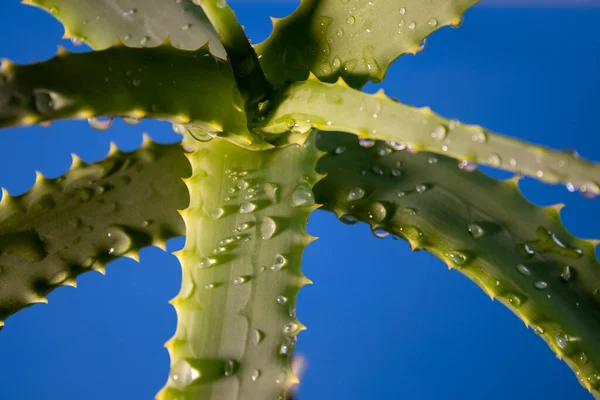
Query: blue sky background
x=383 y=323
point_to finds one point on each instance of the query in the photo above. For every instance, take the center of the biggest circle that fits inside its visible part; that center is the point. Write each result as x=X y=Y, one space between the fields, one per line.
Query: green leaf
x=138 y=23
x=515 y=251
x=236 y=310
x=163 y=82
x=252 y=82
x=356 y=39
x=86 y=218
x=337 y=107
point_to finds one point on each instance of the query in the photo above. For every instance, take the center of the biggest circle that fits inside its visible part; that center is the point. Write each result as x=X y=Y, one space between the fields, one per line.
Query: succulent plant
x=271 y=133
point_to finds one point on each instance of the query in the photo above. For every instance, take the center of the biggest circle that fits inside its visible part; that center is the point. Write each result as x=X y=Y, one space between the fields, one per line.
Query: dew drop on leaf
x=476 y=231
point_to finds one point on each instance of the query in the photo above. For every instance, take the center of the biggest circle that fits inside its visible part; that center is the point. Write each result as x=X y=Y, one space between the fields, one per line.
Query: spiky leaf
x=236 y=310
x=514 y=250
x=337 y=107
x=163 y=82
x=356 y=39
x=86 y=218
x=138 y=23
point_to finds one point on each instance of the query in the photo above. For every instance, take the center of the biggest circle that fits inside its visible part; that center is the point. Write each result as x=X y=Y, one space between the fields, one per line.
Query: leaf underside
x=241 y=271
x=355 y=39
x=337 y=107
x=514 y=250
x=161 y=82
x=138 y=23
x=86 y=218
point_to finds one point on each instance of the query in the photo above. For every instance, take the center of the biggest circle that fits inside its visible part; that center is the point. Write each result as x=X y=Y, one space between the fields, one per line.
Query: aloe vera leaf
x=250 y=77
x=237 y=322
x=337 y=107
x=91 y=215
x=515 y=251
x=138 y=23
x=357 y=40
x=185 y=87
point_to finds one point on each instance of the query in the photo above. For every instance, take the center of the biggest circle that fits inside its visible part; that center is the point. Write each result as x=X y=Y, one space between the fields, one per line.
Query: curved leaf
x=86 y=218
x=355 y=39
x=514 y=250
x=236 y=310
x=337 y=107
x=138 y=23
x=163 y=82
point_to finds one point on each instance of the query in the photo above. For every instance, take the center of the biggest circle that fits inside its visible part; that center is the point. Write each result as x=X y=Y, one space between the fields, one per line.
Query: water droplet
x=206 y=262
x=566 y=273
x=376 y=212
x=279 y=263
x=240 y=280
x=350 y=20
x=524 y=251
x=186 y=27
x=290 y=328
x=377 y=170
x=217 y=213
x=267 y=228
x=255 y=375
x=412 y=25
x=396 y=146
x=257 y=336
x=379 y=232
x=395 y=172
x=494 y=160
x=562 y=340
x=467 y=166
x=538 y=330
x=100 y=124
x=540 y=285
x=523 y=270
x=340 y=149
x=457 y=257
x=366 y=143
x=247 y=208
x=514 y=300
x=281 y=299
x=303 y=196
x=348 y=219
x=479 y=137
x=402 y=10
x=129 y=12
x=229 y=368
x=433 y=22
x=432 y=160
x=439 y=133
x=384 y=151
x=183 y=374
x=476 y=231
x=421 y=188
x=144 y=40
x=339 y=32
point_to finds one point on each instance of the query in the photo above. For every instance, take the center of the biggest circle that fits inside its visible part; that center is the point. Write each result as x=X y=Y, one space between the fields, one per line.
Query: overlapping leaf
x=355 y=39
x=138 y=23
x=337 y=107
x=236 y=309
x=514 y=250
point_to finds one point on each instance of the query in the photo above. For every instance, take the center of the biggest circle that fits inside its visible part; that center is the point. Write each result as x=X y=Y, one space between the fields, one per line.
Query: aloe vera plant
x=252 y=148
